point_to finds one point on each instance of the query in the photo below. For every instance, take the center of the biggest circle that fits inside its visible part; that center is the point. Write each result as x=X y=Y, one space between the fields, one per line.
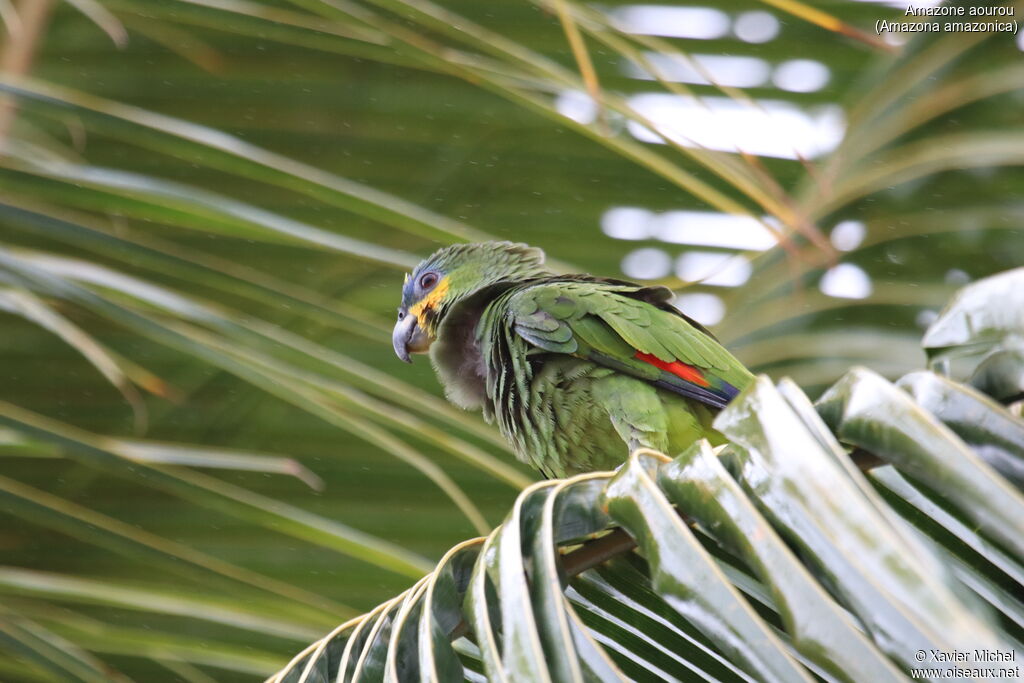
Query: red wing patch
x=681 y=370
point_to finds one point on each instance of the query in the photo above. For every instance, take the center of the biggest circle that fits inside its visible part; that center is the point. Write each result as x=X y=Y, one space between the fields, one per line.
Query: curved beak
x=408 y=337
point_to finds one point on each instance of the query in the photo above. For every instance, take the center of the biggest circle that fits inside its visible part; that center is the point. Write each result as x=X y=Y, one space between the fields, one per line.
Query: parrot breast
x=458 y=360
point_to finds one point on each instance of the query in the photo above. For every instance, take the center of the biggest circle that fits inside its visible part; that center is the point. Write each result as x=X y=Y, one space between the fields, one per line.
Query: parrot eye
x=428 y=280
x=401 y=314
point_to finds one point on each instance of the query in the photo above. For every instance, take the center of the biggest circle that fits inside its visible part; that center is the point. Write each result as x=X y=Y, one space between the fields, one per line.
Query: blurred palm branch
x=206 y=207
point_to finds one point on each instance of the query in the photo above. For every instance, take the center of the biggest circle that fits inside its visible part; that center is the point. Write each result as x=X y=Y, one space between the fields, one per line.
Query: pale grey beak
x=408 y=337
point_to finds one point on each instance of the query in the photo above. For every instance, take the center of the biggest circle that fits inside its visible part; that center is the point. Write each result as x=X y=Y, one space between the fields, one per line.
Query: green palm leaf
x=209 y=221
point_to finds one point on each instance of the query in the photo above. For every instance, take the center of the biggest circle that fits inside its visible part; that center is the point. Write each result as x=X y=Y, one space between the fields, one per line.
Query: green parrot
x=577 y=370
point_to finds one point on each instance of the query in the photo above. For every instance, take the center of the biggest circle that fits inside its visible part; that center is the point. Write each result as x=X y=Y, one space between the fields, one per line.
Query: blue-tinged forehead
x=408 y=291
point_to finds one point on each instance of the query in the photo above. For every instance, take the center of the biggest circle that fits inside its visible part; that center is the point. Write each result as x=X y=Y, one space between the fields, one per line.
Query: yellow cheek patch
x=430 y=300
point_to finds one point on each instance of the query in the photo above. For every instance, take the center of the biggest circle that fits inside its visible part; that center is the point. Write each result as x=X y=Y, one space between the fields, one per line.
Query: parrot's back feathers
x=628 y=328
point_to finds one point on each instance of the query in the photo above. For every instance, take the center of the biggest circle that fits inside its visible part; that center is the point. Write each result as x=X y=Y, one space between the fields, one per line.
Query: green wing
x=630 y=329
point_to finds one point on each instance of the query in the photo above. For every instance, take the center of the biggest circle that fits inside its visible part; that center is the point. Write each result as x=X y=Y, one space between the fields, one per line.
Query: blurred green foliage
x=384 y=125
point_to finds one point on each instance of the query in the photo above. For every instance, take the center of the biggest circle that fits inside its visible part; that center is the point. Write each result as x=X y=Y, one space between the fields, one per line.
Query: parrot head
x=450 y=276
